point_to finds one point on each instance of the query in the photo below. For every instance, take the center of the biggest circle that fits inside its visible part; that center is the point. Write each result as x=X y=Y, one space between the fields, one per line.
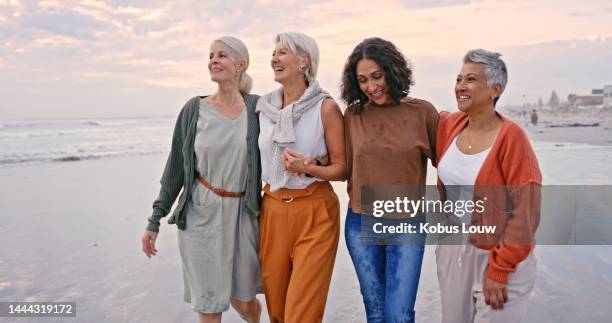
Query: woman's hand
x=295 y=162
x=148 y=243
x=495 y=294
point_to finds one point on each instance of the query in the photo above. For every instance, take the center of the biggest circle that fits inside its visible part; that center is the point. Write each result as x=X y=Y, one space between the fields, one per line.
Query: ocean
x=42 y=141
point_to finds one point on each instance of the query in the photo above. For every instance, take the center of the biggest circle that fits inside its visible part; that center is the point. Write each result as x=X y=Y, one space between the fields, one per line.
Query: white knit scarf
x=271 y=105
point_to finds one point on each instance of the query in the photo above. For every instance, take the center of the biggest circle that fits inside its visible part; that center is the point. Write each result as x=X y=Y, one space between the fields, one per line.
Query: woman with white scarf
x=299 y=222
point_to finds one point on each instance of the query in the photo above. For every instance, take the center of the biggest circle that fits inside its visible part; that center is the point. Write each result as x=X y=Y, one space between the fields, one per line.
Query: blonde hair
x=239 y=51
x=302 y=45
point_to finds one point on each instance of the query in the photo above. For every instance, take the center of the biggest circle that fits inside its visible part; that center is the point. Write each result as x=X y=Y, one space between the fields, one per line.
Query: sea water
x=41 y=141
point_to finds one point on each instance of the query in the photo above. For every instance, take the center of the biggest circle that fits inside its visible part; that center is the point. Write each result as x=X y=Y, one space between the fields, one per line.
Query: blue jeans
x=388 y=274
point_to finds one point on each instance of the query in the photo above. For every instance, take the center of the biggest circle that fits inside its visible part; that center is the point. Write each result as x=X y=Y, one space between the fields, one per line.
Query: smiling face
x=221 y=65
x=472 y=90
x=286 y=65
x=371 y=79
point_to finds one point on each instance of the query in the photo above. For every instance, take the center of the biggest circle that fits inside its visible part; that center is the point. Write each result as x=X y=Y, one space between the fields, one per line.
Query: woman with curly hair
x=389 y=138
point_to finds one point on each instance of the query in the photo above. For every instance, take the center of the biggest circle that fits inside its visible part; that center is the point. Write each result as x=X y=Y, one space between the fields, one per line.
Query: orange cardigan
x=509 y=182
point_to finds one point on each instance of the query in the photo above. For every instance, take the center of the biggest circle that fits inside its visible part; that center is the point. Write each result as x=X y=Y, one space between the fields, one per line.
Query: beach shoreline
x=72 y=233
x=585 y=128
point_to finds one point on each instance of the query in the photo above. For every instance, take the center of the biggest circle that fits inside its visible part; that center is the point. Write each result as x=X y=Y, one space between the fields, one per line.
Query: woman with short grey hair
x=214 y=161
x=299 y=214
x=485 y=157
x=494 y=68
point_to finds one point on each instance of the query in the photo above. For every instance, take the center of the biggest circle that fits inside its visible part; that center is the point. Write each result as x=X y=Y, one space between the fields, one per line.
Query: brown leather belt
x=219 y=191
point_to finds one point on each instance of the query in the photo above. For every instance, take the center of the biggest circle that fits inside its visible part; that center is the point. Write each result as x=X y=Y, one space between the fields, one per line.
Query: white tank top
x=458 y=168
x=310 y=142
x=458 y=172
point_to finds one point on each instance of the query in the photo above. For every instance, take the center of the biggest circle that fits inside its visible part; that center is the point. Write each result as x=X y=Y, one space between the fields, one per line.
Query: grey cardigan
x=179 y=172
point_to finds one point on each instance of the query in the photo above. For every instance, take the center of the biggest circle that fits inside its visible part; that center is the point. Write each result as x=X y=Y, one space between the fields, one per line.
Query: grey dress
x=219 y=246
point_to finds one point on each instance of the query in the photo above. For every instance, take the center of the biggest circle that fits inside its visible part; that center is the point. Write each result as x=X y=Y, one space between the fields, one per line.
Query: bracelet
x=318 y=163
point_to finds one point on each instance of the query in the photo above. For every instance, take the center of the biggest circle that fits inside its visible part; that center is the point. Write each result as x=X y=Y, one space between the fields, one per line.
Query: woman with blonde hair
x=300 y=214
x=214 y=160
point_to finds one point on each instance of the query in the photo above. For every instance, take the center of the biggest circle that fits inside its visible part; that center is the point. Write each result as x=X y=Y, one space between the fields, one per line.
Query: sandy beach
x=574 y=128
x=91 y=91
x=70 y=231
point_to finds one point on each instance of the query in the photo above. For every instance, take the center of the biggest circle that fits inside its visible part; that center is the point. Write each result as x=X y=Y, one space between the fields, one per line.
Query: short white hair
x=302 y=45
x=495 y=68
x=239 y=51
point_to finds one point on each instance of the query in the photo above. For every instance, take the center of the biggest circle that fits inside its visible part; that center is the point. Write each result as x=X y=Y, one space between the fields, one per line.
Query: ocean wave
x=115 y=123
x=91 y=123
x=19 y=125
x=84 y=123
x=82 y=132
x=5 y=162
x=32 y=142
x=21 y=135
x=31 y=160
x=67 y=158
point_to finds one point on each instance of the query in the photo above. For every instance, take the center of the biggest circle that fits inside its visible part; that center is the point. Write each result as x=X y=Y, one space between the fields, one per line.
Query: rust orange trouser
x=299 y=237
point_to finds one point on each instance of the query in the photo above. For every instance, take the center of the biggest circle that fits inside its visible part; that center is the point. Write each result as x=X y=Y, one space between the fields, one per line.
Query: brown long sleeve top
x=389 y=145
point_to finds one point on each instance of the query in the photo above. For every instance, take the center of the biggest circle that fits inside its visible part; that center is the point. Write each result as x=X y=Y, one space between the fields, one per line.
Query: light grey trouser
x=461 y=271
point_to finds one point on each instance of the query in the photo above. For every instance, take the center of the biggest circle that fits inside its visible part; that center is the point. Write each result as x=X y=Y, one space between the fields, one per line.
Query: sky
x=77 y=59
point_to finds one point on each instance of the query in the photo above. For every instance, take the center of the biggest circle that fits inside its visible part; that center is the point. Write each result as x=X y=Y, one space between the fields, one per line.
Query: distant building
x=595 y=100
x=586 y=101
x=607 y=95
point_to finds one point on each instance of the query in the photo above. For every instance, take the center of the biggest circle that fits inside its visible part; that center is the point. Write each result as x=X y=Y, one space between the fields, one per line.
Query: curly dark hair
x=398 y=72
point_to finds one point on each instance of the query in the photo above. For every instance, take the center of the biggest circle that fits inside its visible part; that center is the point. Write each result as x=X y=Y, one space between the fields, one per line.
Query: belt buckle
x=289 y=200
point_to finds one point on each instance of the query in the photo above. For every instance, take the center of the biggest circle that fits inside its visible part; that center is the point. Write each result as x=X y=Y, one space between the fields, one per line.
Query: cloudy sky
x=71 y=59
